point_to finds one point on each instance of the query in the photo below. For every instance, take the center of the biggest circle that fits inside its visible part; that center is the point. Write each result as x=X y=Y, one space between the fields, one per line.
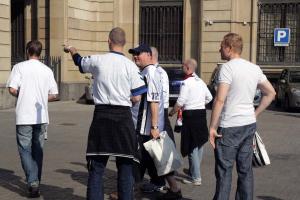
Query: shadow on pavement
x=10 y=181
x=15 y=184
x=268 y=198
x=110 y=182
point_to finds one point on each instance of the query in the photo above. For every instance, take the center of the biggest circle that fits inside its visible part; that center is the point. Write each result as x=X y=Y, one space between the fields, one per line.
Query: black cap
x=141 y=48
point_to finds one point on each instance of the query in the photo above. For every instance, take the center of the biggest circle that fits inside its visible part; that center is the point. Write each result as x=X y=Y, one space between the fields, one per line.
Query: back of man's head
x=117 y=36
x=191 y=63
x=154 y=54
x=234 y=41
x=34 y=48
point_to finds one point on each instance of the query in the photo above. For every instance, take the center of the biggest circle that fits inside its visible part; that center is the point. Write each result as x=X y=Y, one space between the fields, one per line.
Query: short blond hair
x=233 y=41
x=117 y=36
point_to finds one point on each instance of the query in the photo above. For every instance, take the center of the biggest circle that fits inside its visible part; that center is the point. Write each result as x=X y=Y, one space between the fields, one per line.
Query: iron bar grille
x=283 y=15
x=17 y=30
x=161 y=26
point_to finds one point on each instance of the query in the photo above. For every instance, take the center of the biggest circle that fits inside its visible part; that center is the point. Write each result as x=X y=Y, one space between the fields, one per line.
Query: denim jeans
x=195 y=158
x=96 y=167
x=234 y=145
x=30 y=140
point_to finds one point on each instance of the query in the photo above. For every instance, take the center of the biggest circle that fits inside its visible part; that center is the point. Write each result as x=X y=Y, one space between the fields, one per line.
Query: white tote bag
x=260 y=155
x=164 y=154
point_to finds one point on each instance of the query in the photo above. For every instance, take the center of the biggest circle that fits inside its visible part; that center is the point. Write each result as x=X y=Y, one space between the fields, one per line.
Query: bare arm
x=154 y=118
x=14 y=92
x=221 y=95
x=175 y=109
x=268 y=96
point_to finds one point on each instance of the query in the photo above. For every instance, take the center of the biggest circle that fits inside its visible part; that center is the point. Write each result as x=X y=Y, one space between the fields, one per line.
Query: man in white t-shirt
x=33 y=84
x=150 y=121
x=233 y=107
x=193 y=97
x=117 y=85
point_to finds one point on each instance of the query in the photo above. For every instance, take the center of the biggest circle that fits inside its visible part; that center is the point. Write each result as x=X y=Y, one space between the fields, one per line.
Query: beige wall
x=5 y=43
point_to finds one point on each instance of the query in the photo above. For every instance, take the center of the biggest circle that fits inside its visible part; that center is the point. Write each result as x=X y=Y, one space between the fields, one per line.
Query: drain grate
x=67 y=124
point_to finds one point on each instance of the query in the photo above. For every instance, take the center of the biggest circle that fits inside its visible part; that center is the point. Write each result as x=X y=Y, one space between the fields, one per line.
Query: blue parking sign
x=282 y=36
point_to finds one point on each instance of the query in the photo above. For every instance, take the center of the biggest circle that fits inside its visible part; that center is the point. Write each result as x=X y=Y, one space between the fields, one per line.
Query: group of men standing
x=131 y=107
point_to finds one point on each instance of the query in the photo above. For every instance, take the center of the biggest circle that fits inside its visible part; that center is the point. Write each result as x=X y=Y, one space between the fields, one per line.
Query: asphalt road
x=65 y=175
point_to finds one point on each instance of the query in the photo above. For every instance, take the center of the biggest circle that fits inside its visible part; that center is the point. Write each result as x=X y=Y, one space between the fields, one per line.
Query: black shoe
x=34 y=192
x=170 y=195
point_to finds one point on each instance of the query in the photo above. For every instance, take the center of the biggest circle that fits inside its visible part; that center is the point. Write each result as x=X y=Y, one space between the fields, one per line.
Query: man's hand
x=14 y=92
x=155 y=133
x=212 y=137
x=70 y=49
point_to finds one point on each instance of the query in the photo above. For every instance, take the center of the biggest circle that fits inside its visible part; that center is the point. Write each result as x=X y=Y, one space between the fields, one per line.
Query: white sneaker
x=190 y=181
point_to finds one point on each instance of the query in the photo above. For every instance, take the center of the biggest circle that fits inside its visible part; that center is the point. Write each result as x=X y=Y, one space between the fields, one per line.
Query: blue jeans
x=195 y=158
x=236 y=144
x=30 y=140
x=96 y=167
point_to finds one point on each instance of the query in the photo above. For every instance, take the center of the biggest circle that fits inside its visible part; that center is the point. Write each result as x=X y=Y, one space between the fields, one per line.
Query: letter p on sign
x=282 y=36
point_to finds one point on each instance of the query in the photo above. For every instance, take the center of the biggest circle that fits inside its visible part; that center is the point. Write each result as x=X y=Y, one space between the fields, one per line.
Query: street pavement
x=65 y=175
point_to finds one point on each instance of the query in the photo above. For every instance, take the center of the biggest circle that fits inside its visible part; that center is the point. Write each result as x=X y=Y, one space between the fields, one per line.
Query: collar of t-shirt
x=146 y=69
x=188 y=76
x=116 y=52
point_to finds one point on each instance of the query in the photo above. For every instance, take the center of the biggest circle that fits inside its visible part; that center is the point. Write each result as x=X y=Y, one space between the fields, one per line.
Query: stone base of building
x=72 y=91
x=6 y=100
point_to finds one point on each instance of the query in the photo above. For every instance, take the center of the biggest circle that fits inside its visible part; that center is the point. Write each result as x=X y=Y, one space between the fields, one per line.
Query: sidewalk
x=65 y=174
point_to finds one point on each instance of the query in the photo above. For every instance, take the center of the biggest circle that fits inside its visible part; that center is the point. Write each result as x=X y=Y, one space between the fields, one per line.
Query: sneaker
x=34 y=192
x=170 y=195
x=160 y=188
x=190 y=181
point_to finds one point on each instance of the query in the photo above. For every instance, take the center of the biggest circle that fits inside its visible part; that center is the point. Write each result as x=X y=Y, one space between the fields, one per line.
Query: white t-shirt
x=243 y=78
x=165 y=84
x=116 y=78
x=154 y=94
x=34 y=81
x=194 y=94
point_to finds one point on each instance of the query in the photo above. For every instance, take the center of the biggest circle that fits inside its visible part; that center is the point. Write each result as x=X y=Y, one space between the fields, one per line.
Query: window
x=278 y=15
x=161 y=25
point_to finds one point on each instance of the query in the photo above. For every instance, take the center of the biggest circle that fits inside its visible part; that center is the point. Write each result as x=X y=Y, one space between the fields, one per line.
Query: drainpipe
x=251 y=30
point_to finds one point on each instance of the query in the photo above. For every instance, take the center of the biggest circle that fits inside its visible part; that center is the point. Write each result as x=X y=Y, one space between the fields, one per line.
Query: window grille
x=161 y=26
x=278 y=15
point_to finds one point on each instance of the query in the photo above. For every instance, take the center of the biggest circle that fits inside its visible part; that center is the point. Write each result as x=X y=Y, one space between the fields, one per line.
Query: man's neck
x=33 y=57
x=234 y=56
x=117 y=49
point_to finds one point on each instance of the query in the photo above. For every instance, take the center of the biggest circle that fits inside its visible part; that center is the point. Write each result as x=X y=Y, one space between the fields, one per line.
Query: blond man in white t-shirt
x=33 y=84
x=233 y=112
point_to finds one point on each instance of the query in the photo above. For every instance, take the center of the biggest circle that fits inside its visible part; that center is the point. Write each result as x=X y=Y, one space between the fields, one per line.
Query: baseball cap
x=141 y=48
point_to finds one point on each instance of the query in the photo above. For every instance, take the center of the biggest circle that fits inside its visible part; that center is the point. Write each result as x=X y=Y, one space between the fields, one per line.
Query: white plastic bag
x=164 y=154
x=260 y=155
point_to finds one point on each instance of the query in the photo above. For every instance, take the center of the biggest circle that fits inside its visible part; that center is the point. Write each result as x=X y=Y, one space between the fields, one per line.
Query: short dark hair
x=34 y=48
x=234 y=41
x=117 y=36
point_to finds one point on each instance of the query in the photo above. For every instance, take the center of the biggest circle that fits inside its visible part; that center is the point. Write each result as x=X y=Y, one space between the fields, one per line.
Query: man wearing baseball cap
x=150 y=116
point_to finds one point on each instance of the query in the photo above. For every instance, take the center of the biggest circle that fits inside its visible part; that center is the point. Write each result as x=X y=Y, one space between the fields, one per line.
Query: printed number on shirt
x=154 y=96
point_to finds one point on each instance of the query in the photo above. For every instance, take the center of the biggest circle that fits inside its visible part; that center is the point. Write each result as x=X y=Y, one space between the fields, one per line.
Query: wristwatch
x=154 y=127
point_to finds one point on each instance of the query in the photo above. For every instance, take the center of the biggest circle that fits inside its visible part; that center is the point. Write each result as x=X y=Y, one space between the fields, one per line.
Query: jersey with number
x=152 y=78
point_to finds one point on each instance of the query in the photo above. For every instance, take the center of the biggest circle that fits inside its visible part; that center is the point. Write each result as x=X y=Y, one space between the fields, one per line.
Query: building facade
x=180 y=29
